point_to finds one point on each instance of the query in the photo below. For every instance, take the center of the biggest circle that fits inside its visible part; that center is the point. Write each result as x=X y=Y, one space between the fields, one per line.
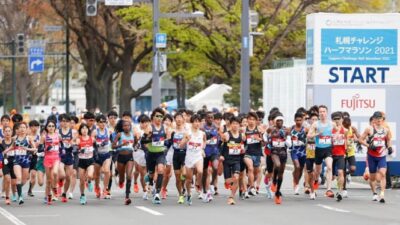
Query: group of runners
x=196 y=148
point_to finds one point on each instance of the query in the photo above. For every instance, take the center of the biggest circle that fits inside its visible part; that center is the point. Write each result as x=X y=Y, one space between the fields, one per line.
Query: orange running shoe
x=329 y=194
x=64 y=199
x=278 y=200
x=97 y=191
x=315 y=185
x=136 y=188
x=231 y=201
x=273 y=187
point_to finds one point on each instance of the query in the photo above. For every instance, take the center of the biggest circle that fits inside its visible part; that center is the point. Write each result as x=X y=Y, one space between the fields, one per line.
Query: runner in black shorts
x=8 y=165
x=34 y=128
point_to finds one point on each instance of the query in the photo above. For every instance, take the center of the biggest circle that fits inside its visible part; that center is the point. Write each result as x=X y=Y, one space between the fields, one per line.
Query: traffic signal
x=20 y=43
x=91 y=7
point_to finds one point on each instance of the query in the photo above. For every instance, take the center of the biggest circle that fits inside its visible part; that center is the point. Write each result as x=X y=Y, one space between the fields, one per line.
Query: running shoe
x=252 y=192
x=296 y=190
x=257 y=189
x=204 y=197
x=106 y=194
x=246 y=195
x=338 y=197
x=329 y=194
x=90 y=186
x=21 y=200
x=82 y=200
x=145 y=196
x=307 y=190
x=181 y=199
x=273 y=187
x=345 y=194
x=30 y=194
x=231 y=201
x=189 y=200
x=382 y=198
x=8 y=202
x=315 y=185
x=54 y=198
x=216 y=191
x=312 y=196
x=70 y=195
x=14 y=198
x=156 y=199
x=128 y=201
x=212 y=189
x=97 y=191
x=209 y=196
x=3 y=194
x=278 y=199
x=163 y=193
x=64 y=198
x=136 y=188
x=375 y=197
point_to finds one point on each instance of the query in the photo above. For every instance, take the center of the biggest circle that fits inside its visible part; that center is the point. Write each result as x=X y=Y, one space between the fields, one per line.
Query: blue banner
x=359 y=46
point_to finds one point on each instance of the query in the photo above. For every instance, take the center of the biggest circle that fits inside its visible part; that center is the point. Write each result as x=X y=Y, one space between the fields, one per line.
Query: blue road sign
x=36 y=60
x=161 y=40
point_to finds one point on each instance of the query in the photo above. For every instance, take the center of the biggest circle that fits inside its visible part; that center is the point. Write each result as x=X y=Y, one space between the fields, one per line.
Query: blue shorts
x=67 y=159
x=255 y=158
x=23 y=161
x=101 y=158
x=376 y=163
x=301 y=157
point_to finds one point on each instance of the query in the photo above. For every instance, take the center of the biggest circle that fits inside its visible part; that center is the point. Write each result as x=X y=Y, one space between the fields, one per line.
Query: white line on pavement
x=149 y=210
x=22 y=216
x=11 y=217
x=333 y=208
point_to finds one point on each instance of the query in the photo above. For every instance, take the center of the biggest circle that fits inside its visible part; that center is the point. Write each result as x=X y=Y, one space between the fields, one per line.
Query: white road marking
x=11 y=217
x=149 y=210
x=22 y=216
x=333 y=208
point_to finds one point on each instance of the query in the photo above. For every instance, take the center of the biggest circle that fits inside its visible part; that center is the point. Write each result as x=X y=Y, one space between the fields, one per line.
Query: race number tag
x=379 y=142
x=278 y=143
x=212 y=141
x=251 y=139
x=325 y=140
x=159 y=143
x=339 y=140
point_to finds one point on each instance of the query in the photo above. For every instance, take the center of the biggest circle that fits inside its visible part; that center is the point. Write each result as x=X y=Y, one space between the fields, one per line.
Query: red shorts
x=50 y=160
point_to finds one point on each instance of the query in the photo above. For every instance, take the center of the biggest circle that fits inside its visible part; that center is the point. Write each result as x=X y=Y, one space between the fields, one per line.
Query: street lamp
x=155 y=89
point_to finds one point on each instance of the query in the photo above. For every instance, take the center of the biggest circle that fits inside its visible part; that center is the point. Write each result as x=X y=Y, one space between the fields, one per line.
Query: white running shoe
x=312 y=196
x=246 y=195
x=252 y=192
x=70 y=195
x=375 y=197
x=345 y=194
x=145 y=196
x=212 y=189
x=269 y=193
x=209 y=196
x=200 y=196
x=297 y=190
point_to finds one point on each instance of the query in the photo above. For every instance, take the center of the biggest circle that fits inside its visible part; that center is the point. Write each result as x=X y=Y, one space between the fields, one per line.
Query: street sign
x=161 y=40
x=119 y=2
x=36 y=60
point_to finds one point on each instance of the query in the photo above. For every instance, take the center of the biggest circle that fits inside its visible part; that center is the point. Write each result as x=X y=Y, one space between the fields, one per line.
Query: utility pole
x=67 y=109
x=245 y=60
x=14 y=76
x=155 y=87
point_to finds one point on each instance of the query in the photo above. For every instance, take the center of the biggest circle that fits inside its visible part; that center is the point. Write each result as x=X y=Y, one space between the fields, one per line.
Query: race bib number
x=194 y=147
x=20 y=151
x=296 y=142
x=379 y=143
x=251 y=139
x=278 y=143
x=325 y=140
x=234 y=151
x=159 y=143
x=67 y=144
x=338 y=141
x=212 y=141
x=55 y=148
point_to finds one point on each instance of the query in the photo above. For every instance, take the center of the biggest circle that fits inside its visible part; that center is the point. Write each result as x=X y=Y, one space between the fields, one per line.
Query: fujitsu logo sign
x=358 y=102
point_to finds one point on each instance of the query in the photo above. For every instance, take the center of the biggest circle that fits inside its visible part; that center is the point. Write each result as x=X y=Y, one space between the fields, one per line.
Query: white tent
x=212 y=97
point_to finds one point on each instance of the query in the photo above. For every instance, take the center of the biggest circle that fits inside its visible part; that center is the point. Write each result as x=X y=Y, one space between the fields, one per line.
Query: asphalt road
x=357 y=209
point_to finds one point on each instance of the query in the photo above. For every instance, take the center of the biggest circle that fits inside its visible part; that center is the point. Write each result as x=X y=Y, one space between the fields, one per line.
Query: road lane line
x=333 y=208
x=11 y=217
x=22 y=216
x=149 y=210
